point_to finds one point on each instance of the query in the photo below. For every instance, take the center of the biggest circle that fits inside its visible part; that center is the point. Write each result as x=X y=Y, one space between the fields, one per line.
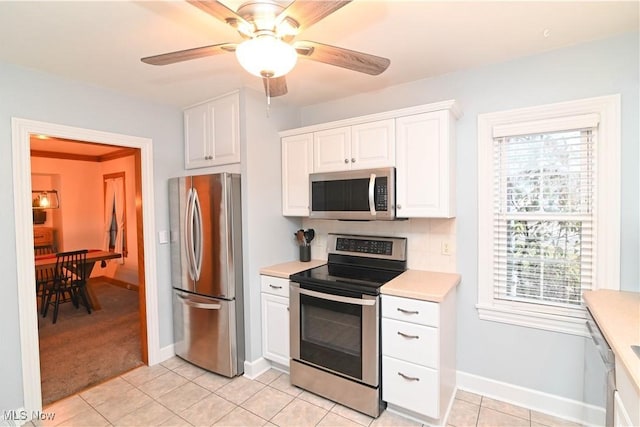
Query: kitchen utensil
x=309 y=235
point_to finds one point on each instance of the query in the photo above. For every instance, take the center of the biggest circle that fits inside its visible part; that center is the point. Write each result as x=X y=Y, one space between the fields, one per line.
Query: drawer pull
x=275 y=287
x=408 y=336
x=402 y=310
x=408 y=378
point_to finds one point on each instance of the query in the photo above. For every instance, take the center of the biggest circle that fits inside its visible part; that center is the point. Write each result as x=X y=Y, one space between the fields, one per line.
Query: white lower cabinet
x=418 y=356
x=621 y=417
x=275 y=319
x=626 y=403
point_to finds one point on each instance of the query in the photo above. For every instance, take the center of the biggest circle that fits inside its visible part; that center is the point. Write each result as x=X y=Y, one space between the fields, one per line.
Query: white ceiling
x=101 y=42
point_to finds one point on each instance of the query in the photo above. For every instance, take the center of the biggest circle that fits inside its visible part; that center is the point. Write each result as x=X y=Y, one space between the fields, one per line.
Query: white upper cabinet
x=212 y=132
x=362 y=146
x=297 y=164
x=419 y=141
x=373 y=145
x=425 y=165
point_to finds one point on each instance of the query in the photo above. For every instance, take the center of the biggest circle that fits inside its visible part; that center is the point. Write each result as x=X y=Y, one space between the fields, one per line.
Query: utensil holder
x=305 y=253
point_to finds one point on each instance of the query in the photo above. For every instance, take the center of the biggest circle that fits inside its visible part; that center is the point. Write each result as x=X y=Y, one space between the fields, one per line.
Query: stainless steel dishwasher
x=600 y=378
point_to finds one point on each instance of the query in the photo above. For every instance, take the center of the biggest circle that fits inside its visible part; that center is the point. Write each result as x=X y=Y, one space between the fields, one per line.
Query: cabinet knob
x=399 y=207
x=353 y=160
x=346 y=160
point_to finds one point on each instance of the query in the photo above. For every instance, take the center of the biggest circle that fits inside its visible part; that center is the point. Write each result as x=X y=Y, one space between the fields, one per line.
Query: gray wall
x=544 y=361
x=39 y=96
x=30 y=94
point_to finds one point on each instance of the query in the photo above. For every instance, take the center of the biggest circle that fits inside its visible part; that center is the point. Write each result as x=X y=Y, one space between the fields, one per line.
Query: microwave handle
x=372 y=187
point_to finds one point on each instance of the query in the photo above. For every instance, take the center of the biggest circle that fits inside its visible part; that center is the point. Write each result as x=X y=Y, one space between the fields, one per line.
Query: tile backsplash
x=427 y=239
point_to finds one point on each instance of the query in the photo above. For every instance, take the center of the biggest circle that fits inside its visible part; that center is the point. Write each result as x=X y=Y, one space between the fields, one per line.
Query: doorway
x=22 y=129
x=108 y=342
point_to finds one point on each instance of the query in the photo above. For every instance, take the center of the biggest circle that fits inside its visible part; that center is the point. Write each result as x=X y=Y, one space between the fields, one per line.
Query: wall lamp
x=45 y=199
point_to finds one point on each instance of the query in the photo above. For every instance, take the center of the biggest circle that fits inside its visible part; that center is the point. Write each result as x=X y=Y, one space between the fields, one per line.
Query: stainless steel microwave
x=368 y=194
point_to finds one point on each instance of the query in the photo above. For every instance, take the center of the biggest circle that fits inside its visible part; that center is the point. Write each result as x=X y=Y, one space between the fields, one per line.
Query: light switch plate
x=163 y=237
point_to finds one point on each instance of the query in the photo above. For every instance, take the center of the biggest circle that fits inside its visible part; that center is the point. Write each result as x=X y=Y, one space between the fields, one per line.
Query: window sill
x=545 y=321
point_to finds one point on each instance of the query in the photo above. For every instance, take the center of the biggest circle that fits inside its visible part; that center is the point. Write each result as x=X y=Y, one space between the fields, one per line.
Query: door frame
x=28 y=316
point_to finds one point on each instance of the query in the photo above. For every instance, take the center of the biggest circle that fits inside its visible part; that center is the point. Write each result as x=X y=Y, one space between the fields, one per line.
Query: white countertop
x=417 y=284
x=617 y=314
x=423 y=285
x=286 y=269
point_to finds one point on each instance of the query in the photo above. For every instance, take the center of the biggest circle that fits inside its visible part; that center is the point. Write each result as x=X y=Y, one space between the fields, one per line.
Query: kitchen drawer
x=410 y=386
x=275 y=285
x=410 y=342
x=42 y=236
x=411 y=310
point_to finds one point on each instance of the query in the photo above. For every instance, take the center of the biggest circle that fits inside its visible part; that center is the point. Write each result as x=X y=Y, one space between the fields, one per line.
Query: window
x=549 y=211
x=115 y=239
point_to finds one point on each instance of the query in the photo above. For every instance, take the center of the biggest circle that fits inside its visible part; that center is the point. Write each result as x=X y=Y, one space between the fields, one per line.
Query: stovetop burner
x=358 y=263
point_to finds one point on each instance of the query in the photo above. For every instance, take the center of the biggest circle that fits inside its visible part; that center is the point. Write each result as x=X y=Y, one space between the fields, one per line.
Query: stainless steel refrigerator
x=206 y=271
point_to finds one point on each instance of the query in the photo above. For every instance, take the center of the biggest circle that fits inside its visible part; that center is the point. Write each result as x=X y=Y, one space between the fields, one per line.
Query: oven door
x=336 y=331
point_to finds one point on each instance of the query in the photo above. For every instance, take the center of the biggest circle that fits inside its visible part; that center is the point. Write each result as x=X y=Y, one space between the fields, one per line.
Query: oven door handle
x=338 y=298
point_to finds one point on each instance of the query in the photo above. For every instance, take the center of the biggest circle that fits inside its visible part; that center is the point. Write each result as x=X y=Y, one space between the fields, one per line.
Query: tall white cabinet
x=212 y=132
x=418 y=141
x=425 y=165
x=297 y=164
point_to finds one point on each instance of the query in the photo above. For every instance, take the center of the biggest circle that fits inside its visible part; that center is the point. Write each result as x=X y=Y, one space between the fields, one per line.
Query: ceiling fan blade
x=306 y=13
x=340 y=57
x=188 y=54
x=223 y=13
x=275 y=86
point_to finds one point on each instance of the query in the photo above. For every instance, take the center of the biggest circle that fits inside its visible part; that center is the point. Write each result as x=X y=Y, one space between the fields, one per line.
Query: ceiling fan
x=269 y=50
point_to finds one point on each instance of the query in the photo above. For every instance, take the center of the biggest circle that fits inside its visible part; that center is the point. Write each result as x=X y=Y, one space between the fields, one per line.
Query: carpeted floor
x=83 y=349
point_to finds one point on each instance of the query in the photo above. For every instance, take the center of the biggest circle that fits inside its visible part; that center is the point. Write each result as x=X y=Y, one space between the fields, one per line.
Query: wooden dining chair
x=44 y=276
x=69 y=282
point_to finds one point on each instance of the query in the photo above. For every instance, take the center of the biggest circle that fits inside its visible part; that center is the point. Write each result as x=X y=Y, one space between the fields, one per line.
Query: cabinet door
x=196 y=136
x=425 y=157
x=212 y=132
x=275 y=329
x=332 y=150
x=297 y=164
x=225 y=140
x=373 y=145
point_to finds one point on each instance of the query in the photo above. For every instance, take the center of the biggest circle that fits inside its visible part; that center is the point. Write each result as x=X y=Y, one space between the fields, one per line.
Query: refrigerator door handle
x=198 y=235
x=194 y=304
x=188 y=236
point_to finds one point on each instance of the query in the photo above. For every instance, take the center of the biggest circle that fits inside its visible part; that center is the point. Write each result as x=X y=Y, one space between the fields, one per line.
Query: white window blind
x=548 y=211
x=543 y=218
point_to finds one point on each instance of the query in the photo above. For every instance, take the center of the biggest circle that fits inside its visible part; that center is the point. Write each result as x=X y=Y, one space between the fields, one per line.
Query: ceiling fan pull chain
x=267 y=78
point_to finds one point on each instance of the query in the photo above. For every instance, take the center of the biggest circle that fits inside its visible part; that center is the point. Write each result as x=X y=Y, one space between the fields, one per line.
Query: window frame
x=608 y=186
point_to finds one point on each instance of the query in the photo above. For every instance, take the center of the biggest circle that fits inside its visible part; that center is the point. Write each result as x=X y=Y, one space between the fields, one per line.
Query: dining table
x=93 y=256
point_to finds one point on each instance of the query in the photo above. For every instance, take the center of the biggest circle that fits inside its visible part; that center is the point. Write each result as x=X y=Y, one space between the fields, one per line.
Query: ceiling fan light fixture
x=266 y=56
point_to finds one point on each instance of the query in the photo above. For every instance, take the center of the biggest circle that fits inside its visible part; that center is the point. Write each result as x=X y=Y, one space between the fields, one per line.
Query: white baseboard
x=561 y=407
x=165 y=353
x=253 y=370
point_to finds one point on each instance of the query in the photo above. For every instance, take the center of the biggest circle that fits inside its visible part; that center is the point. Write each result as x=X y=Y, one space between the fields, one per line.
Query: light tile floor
x=176 y=393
